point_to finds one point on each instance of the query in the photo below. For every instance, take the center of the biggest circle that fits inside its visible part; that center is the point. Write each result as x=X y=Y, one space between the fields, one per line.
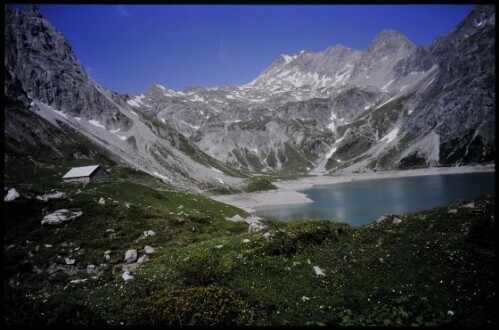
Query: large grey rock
x=149 y=249
x=60 y=216
x=11 y=195
x=130 y=256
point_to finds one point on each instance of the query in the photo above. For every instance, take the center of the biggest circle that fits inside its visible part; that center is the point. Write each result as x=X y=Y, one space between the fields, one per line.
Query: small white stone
x=69 y=261
x=126 y=276
x=396 y=221
x=11 y=195
x=149 y=233
x=246 y=240
x=78 y=281
x=318 y=271
x=149 y=249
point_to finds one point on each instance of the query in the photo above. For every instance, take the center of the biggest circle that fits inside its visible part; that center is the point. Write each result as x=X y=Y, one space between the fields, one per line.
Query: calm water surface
x=360 y=202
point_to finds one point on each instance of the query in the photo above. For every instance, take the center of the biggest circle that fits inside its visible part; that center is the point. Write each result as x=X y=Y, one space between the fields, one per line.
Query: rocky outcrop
x=54 y=74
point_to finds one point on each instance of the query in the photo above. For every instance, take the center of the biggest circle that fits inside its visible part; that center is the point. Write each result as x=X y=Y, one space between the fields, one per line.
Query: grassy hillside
x=427 y=268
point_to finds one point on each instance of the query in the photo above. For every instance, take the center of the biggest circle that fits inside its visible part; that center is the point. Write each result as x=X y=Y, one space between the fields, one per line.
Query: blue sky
x=126 y=48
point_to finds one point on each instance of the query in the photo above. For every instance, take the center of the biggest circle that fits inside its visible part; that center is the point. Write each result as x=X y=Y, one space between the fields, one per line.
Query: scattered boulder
x=66 y=269
x=70 y=261
x=143 y=259
x=318 y=271
x=131 y=256
x=82 y=280
x=256 y=226
x=253 y=222
x=102 y=201
x=149 y=233
x=91 y=269
x=469 y=205
x=149 y=249
x=246 y=240
x=381 y=219
x=126 y=276
x=396 y=221
x=53 y=195
x=236 y=218
x=452 y=211
x=11 y=195
x=60 y=216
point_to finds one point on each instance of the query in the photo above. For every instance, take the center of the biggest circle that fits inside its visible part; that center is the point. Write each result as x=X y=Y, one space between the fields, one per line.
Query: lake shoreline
x=288 y=191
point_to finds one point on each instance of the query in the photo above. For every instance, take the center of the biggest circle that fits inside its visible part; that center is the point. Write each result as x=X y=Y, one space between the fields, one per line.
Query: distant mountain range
x=394 y=106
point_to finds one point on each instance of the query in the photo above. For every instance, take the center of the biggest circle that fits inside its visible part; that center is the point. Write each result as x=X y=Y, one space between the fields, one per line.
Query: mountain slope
x=44 y=77
x=395 y=105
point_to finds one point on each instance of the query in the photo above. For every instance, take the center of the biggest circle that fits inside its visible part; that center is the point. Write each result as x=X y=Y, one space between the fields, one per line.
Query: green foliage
x=298 y=235
x=197 y=306
x=258 y=184
x=412 y=161
x=468 y=149
x=433 y=268
x=403 y=311
x=352 y=149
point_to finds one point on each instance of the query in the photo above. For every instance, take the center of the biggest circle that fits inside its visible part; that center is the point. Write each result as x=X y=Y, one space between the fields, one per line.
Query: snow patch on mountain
x=162 y=177
x=133 y=103
x=391 y=135
x=288 y=58
x=331 y=152
x=96 y=123
x=60 y=113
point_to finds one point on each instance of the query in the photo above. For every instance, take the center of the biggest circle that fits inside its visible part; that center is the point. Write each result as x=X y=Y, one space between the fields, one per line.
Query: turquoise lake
x=361 y=202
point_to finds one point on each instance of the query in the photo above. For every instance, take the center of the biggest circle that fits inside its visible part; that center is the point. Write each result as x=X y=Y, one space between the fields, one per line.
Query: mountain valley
x=156 y=245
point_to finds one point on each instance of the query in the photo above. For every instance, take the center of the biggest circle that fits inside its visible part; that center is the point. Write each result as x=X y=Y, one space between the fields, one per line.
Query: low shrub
x=197 y=306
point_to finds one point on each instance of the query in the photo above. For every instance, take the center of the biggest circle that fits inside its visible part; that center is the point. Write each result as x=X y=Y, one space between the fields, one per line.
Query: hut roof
x=78 y=172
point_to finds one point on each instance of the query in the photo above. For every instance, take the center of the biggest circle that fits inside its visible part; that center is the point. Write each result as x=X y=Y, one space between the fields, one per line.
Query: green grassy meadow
x=435 y=267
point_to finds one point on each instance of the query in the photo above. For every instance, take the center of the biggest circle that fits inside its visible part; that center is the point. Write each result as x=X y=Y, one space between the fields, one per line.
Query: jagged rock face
x=395 y=105
x=460 y=103
x=54 y=75
x=53 y=105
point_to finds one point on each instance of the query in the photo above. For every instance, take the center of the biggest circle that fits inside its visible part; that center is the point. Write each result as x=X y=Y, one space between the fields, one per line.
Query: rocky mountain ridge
x=392 y=106
x=395 y=105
